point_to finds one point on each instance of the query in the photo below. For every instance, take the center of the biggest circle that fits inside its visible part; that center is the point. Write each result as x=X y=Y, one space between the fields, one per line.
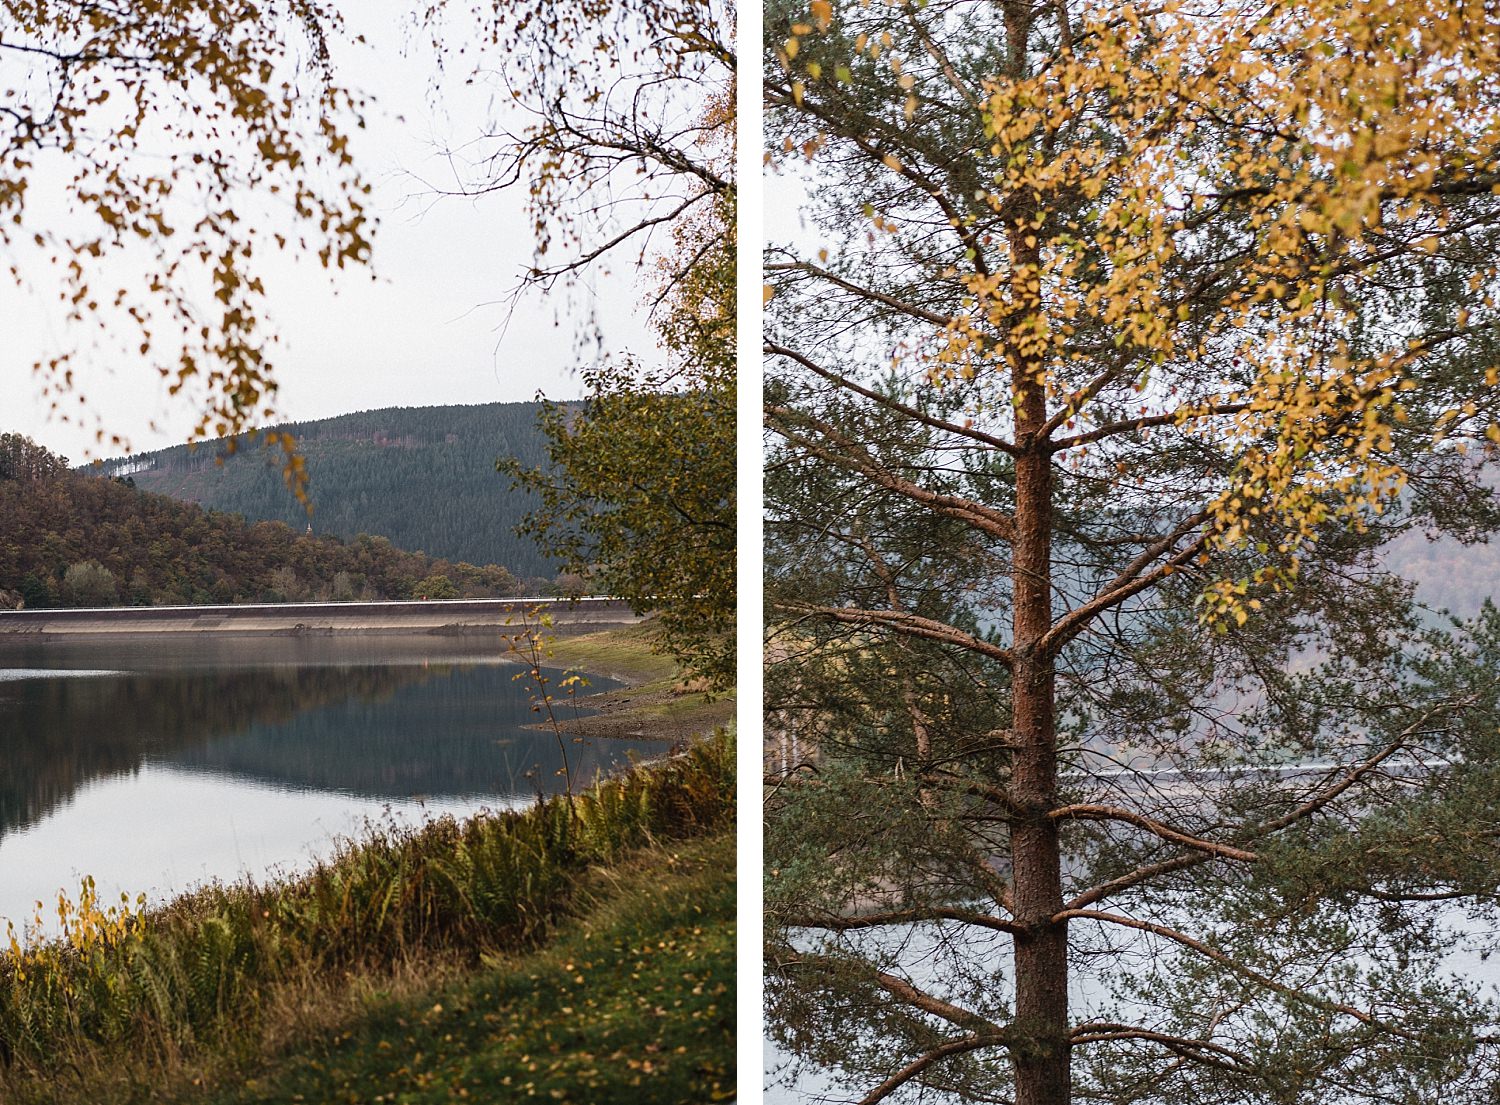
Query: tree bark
x=1041 y=1059
x=1041 y=1056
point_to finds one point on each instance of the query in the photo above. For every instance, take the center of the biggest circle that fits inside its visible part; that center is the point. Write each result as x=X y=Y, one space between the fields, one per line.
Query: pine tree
x=1127 y=339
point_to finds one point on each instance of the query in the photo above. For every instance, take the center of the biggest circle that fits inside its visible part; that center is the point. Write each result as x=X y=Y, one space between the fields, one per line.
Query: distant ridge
x=424 y=477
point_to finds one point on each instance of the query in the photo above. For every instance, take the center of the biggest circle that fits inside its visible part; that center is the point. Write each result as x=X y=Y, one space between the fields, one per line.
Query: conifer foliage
x=1122 y=767
x=424 y=477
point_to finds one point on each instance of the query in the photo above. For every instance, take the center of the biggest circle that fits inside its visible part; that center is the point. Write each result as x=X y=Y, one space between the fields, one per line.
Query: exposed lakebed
x=156 y=764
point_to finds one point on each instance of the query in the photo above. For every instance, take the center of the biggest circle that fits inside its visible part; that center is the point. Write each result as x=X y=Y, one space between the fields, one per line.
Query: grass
x=632 y=1002
x=624 y=654
x=656 y=698
x=126 y=1004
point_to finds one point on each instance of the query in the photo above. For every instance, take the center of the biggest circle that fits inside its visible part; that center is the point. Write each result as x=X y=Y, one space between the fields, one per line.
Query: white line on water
x=11 y=675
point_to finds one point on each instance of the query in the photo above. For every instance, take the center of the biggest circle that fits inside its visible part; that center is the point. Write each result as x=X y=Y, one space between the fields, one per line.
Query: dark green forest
x=71 y=538
x=424 y=477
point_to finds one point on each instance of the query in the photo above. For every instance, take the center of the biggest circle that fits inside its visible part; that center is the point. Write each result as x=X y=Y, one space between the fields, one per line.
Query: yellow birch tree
x=141 y=146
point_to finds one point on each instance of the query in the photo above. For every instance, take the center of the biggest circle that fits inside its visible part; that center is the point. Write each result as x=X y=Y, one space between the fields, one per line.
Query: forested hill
x=424 y=477
x=81 y=539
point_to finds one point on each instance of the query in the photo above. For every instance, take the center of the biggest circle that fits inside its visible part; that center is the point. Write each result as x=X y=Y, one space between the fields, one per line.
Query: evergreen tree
x=1118 y=764
x=78 y=539
x=424 y=477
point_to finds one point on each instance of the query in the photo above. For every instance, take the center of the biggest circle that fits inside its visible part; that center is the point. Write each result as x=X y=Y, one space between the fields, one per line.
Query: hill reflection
x=376 y=730
x=460 y=736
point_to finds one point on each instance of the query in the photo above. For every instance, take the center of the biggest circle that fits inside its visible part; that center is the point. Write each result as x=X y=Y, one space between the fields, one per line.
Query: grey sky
x=421 y=335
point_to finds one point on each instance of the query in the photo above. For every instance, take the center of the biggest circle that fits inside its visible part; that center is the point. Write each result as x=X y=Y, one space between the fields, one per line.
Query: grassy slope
x=631 y=1001
x=369 y=980
x=248 y=994
x=619 y=653
x=655 y=702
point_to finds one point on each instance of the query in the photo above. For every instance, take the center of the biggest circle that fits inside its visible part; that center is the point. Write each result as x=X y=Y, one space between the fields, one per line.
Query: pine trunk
x=1041 y=1058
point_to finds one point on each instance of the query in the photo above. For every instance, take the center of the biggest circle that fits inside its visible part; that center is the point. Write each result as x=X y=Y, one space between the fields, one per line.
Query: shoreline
x=653 y=702
x=409 y=915
x=442 y=618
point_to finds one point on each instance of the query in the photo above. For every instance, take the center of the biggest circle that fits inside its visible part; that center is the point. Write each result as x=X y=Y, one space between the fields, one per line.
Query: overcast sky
x=421 y=335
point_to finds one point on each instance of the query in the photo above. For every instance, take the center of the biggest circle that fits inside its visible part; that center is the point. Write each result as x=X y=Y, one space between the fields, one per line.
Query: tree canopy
x=424 y=477
x=78 y=539
x=617 y=118
x=629 y=153
x=1127 y=339
x=138 y=143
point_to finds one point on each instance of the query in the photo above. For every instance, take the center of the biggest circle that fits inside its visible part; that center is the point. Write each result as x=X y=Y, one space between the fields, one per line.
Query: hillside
x=424 y=477
x=79 y=539
x=1449 y=576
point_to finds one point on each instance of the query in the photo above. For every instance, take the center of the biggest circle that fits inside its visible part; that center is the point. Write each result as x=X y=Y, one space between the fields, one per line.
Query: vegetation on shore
x=205 y=990
x=658 y=695
x=94 y=541
x=632 y=1002
x=636 y=491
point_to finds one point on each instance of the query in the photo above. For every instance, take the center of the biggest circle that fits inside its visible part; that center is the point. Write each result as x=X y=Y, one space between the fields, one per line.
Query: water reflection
x=58 y=733
x=219 y=757
x=439 y=732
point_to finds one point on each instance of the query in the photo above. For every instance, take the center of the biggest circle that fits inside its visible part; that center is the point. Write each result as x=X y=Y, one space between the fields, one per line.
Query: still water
x=156 y=765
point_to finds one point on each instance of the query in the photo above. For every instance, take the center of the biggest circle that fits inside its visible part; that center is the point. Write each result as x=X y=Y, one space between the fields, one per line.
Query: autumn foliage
x=143 y=149
x=79 y=539
x=1121 y=340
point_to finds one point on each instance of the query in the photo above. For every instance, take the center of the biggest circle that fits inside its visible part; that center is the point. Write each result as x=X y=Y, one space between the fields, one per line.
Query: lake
x=157 y=764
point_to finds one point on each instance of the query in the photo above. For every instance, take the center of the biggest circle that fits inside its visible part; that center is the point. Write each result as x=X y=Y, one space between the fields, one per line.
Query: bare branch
x=1230 y=962
x=1132 y=425
x=900 y=988
x=921 y=313
x=910 y=624
x=1197 y=1050
x=855 y=456
x=952 y=1047
x=1084 y=812
x=892 y=404
x=834 y=923
x=1357 y=772
x=1143 y=873
x=1129 y=581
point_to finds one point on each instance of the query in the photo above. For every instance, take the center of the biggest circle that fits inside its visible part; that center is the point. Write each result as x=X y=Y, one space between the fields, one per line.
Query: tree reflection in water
x=383 y=730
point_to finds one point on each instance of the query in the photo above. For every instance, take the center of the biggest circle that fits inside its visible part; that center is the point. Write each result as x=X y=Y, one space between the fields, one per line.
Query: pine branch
x=1085 y=812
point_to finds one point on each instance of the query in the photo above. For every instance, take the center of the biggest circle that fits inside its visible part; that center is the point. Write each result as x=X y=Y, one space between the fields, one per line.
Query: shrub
x=89 y=583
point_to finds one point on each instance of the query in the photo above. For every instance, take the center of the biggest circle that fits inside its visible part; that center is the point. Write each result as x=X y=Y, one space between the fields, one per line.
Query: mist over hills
x=424 y=477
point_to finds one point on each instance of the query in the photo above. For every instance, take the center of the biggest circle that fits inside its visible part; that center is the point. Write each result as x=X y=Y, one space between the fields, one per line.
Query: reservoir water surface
x=156 y=764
